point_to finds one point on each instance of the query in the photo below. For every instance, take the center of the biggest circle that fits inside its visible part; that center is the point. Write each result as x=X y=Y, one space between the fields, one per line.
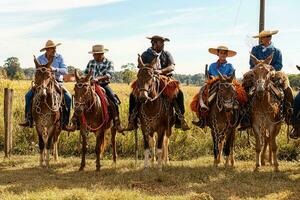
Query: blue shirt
x=261 y=53
x=58 y=64
x=225 y=69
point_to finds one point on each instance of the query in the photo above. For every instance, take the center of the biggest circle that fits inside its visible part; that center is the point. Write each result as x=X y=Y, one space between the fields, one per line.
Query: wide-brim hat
x=49 y=44
x=98 y=48
x=265 y=34
x=215 y=51
x=157 y=37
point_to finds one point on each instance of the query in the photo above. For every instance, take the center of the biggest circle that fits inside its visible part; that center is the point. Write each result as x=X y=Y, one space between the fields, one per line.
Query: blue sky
x=122 y=25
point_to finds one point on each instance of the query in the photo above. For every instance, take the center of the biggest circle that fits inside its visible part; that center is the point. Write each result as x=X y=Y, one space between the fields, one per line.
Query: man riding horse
x=165 y=66
x=102 y=69
x=215 y=69
x=262 y=52
x=60 y=69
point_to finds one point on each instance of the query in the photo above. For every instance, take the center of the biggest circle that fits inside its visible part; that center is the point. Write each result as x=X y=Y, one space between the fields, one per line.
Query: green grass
x=21 y=178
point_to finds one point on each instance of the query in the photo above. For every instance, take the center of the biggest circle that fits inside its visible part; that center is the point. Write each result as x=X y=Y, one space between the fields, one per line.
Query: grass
x=21 y=178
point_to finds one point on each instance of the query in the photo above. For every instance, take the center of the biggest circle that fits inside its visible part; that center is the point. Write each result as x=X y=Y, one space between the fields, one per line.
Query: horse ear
x=37 y=65
x=298 y=67
x=140 y=61
x=254 y=59
x=76 y=75
x=269 y=59
x=232 y=77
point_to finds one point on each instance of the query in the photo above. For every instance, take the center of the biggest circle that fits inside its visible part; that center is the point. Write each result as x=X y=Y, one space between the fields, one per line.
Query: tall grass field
x=190 y=174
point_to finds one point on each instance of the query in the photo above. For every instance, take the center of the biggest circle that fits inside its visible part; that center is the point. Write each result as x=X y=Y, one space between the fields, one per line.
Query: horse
x=91 y=106
x=265 y=110
x=46 y=110
x=223 y=118
x=155 y=113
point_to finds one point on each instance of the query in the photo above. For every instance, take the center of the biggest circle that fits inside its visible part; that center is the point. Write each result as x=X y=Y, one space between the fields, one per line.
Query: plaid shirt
x=104 y=68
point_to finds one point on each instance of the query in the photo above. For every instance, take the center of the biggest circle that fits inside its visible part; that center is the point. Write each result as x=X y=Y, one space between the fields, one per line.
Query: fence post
x=8 y=94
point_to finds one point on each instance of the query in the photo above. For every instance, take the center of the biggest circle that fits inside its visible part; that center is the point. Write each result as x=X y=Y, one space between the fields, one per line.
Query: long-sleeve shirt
x=261 y=53
x=58 y=64
x=104 y=68
x=224 y=68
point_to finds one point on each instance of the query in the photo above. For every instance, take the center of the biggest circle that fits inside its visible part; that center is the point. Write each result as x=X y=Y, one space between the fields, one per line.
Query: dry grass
x=20 y=178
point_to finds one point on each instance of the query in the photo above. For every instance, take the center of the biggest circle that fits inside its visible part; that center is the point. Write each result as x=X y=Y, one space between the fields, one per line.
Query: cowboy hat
x=157 y=37
x=215 y=51
x=49 y=44
x=98 y=48
x=265 y=34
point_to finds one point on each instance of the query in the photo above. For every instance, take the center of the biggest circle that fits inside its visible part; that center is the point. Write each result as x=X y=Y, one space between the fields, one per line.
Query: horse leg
x=83 y=150
x=146 y=149
x=258 y=147
x=41 y=147
x=228 y=148
x=263 y=154
x=270 y=153
x=55 y=147
x=273 y=146
x=216 y=151
x=166 y=150
x=99 y=142
x=113 y=142
x=161 y=135
x=152 y=142
x=47 y=150
x=220 y=150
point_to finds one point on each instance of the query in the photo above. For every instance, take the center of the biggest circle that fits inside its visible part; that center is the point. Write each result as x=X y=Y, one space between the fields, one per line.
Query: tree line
x=12 y=70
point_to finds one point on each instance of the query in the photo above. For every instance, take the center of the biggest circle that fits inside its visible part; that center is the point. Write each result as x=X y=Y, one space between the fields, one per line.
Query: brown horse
x=265 y=111
x=156 y=112
x=89 y=107
x=223 y=118
x=46 y=112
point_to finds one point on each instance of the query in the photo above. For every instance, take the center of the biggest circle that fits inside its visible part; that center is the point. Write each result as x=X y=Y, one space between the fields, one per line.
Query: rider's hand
x=158 y=71
x=53 y=69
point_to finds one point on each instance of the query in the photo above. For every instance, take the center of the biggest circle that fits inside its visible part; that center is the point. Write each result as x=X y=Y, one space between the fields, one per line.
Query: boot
x=27 y=123
x=181 y=123
x=117 y=124
x=132 y=122
x=75 y=124
x=288 y=105
x=245 y=122
x=201 y=123
x=295 y=132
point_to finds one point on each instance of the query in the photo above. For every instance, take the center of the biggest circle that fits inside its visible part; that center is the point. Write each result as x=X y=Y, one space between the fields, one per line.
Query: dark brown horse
x=223 y=118
x=265 y=112
x=91 y=112
x=46 y=113
x=156 y=112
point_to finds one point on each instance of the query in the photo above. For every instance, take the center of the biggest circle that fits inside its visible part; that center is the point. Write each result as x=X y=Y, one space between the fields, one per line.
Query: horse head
x=226 y=92
x=146 y=79
x=83 y=91
x=43 y=76
x=262 y=71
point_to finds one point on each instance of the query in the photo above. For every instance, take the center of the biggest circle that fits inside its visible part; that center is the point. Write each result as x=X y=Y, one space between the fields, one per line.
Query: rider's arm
x=253 y=52
x=171 y=65
x=107 y=74
x=62 y=68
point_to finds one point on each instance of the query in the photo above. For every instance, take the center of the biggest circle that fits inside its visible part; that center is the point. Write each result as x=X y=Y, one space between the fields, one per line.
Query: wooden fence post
x=8 y=94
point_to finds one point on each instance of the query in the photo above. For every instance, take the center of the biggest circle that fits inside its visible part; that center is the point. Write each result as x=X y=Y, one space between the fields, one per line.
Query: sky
x=192 y=26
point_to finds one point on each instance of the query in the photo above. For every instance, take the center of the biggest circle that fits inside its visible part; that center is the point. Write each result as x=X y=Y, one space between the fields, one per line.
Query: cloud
x=39 y=6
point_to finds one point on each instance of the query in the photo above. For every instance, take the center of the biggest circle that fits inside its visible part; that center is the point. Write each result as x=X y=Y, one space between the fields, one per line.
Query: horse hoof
x=98 y=169
x=81 y=168
x=263 y=164
x=256 y=169
x=276 y=169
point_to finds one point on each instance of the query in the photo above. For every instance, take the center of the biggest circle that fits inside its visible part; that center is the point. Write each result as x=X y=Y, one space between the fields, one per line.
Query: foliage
x=12 y=66
x=29 y=73
x=129 y=73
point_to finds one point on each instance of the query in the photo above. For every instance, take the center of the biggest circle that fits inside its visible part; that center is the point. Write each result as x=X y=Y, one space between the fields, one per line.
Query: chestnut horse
x=46 y=110
x=89 y=107
x=155 y=112
x=223 y=118
x=265 y=111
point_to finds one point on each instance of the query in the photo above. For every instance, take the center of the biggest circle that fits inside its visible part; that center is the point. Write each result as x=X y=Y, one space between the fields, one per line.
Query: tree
x=3 y=74
x=129 y=72
x=19 y=75
x=29 y=73
x=12 y=66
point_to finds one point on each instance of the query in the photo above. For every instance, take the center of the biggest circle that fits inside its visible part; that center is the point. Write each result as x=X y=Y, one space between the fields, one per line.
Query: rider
x=59 y=68
x=261 y=52
x=165 y=67
x=102 y=69
x=221 y=66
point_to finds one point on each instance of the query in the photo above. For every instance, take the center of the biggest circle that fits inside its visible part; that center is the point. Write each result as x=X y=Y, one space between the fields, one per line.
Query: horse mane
x=169 y=86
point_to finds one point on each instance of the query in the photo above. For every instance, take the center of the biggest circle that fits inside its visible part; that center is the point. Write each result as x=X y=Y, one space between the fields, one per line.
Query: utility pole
x=262 y=16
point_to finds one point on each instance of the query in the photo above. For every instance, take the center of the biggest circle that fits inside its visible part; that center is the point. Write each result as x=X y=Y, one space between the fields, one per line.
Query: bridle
x=85 y=101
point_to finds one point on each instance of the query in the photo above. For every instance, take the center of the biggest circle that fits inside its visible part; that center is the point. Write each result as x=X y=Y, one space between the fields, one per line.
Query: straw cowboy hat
x=215 y=51
x=98 y=48
x=49 y=44
x=265 y=34
x=157 y=37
